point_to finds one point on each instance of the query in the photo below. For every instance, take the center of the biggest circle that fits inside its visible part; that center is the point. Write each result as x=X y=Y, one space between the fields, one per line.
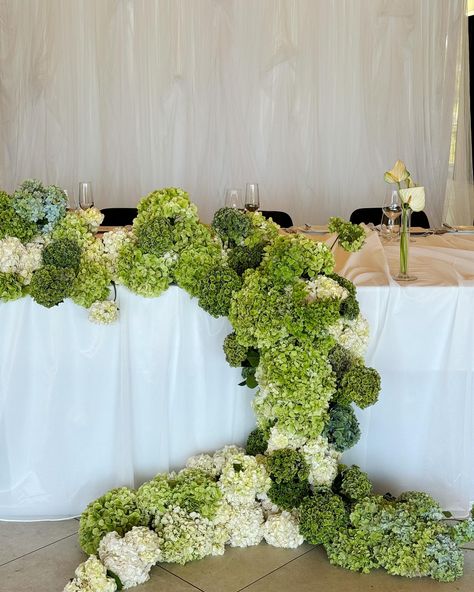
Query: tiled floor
x=42 y=556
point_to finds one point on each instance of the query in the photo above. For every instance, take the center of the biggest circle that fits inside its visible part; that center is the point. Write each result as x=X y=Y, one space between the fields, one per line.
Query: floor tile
x=163 y=581
x=236 y=568
x=19 y=538
x=45 y=570
x=313 y=572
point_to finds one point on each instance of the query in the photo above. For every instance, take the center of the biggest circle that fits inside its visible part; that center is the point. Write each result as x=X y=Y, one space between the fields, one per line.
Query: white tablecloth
x=84 y=408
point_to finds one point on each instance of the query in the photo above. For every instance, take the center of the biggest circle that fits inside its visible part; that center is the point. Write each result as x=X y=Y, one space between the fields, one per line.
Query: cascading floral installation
x=299 y=338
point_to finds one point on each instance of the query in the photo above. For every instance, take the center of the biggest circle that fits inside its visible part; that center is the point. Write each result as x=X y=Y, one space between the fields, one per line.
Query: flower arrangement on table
x=412 y=199
x=299 y=338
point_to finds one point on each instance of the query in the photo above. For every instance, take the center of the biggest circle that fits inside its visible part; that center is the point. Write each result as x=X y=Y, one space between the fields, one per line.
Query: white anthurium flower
x=414 y=197
x=398 y=173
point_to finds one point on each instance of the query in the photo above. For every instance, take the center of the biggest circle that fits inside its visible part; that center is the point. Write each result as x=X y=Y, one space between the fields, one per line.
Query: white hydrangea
x=243 y=478
x=267 y=505
x=205 y=462
x=15 y=257
x=324 y=287
x=113 y=241
x=103 y=312
x=132 y=556
x=322 y=459
x=283 y=439
x=245 y=525
x=282 y=530
x=91 y=576
x=223 y=455
x=93 y=217
x=353 y=334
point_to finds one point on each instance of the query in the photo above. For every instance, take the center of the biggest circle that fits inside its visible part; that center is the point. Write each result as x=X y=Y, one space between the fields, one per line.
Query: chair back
x=281 y=218
x=119 y=216
x=374 y=215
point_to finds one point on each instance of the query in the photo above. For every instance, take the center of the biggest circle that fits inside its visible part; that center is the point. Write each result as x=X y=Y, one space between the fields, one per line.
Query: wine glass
x=233 y=199
x=86 y=199
x=71 y=199
x=252 y=199
x=389 y=226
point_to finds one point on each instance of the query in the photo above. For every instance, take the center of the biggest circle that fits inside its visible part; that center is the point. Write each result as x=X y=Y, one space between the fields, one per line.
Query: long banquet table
x=84 y=408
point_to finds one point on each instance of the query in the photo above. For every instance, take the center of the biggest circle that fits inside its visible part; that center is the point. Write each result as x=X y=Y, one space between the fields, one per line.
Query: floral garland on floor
x=297 y=335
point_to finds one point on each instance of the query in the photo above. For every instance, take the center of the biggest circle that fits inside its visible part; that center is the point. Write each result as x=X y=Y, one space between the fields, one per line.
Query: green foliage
x=351 y=237
x=154 y=236
x=289 y=494
x=321 y=517
x=286 y=465
x=231 y=225
x=62 y=252
x=360 y=385
x=257 y=442
x=242 y=257
x=115 y=511
x=11 y=287
x=342 y=429
x=352 y=483
x=12 y=224
x=50 y=285
x=294 y=256
x=235 y=354
x=143 y=273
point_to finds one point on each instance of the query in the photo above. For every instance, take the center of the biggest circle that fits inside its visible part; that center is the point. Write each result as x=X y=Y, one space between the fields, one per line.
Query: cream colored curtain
x=312 y=99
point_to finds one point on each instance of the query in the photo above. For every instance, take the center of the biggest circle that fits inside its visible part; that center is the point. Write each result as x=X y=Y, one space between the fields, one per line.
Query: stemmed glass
x=86 y=199
x=252 y=199
x=233 y=199
x=390 y=227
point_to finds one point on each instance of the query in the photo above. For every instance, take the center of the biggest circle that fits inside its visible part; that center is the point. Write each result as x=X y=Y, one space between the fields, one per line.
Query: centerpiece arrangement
x=300 y=340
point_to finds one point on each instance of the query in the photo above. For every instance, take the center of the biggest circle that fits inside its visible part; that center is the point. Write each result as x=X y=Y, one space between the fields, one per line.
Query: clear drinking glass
x=390 y=224
x=234 y=199
x=86 y=200
x=252 y=198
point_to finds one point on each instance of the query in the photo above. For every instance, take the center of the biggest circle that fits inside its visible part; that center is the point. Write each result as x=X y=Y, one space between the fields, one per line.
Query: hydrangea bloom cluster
x=350 y=236
x=17 y=264
x=44 y=206
x=104 y=312
x=91 y=576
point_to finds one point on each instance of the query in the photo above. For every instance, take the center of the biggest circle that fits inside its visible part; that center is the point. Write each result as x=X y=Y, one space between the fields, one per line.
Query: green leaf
x=447 y=514
x=253 y=356
x=115 y=577
x=243 y=383
x=251 y=382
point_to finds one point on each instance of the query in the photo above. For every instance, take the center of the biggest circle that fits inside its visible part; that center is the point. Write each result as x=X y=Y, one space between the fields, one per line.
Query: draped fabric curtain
x=312 y=99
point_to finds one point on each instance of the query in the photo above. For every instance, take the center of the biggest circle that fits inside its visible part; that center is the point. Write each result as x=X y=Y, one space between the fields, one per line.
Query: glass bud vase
x=405 y=220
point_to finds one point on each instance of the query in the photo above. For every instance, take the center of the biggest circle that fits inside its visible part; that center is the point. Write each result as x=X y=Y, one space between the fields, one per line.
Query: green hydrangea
x=92 y=284
x=235 y=354
x=262 y=231
x=288 y=495
x=349 y=308
x=194 y=264
x=242 y=257
x=169 y=202
x=143 y=273
x=11 y=286
x=342 y=429
x=73 y=227
x=62 y=252
x=153 y=497
x=352 y=483
x=50 y=285
x=286 y=465
x=360 y=385
x=296 y=384
x=321 y=517
x=463 y=532
x=341 y=360
x=421 y=504
x=257 y=442
x=154 y=236
x=350 y=549
x=351 y=237
x=231 y=225
x=294 y=256
x=194 y=490
x=216 y=290
x=115 y=511
x=12 y=224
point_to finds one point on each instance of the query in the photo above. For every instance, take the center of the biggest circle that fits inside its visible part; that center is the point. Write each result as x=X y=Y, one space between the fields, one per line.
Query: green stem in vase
x=404 y=239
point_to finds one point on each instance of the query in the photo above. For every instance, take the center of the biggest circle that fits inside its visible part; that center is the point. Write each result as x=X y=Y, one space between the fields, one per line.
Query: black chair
x=281 y=218
x=374 y=215
x=119 y=216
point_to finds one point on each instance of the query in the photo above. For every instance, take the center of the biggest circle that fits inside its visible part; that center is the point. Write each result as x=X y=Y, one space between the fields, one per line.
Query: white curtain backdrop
x=312 y=99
